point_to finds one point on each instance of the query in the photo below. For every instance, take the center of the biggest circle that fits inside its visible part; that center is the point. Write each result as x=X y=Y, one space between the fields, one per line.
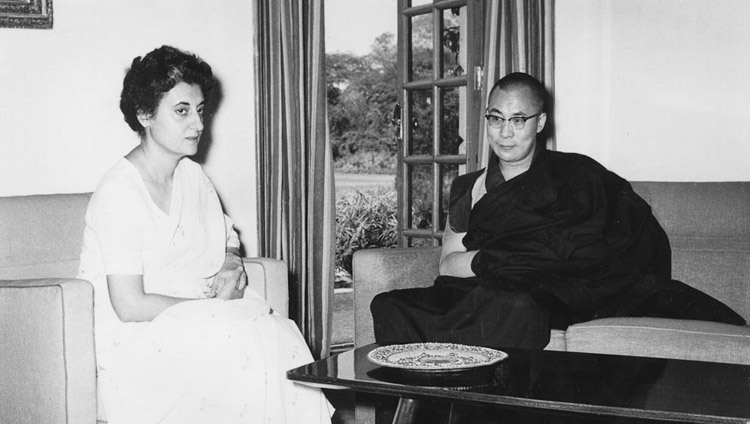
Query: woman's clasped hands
x=230 y=282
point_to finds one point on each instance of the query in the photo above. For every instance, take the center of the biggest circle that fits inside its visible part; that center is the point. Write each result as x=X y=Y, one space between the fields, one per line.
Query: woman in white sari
x=179 y=339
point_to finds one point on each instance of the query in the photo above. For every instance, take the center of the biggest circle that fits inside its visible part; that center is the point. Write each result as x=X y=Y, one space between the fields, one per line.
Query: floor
x=343 y=319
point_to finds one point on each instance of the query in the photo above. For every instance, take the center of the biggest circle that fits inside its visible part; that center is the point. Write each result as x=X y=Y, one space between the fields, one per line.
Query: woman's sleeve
x=117 y=221
x=233 y=239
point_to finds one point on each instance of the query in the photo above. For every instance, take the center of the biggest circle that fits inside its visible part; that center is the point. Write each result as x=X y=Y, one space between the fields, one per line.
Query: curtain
x=518 y=38
x=296 y=209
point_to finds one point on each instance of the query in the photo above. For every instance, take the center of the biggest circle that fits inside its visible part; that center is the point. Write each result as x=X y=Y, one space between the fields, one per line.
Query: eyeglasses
x=516 y=122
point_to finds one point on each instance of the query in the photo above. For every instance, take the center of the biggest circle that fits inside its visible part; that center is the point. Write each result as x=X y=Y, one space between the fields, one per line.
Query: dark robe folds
x=565 y=242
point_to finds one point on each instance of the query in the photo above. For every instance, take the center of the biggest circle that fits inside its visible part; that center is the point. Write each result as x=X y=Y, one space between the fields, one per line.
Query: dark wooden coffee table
x=556 y=382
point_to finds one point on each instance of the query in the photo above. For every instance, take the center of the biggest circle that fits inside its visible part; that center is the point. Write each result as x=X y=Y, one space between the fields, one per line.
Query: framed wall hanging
x=26 y=14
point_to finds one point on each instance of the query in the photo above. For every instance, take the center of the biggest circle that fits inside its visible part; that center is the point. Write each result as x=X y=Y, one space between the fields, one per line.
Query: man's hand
x=231 y=280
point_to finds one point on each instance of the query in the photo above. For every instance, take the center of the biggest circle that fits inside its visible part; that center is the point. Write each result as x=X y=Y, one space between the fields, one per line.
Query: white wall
x=60 y=124
x=655 y=89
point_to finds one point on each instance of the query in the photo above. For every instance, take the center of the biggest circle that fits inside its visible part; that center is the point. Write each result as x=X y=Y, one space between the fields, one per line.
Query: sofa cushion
x=42 y=269
x=709 y=229
x=721 y=270
x=556 y=341
x=41 y=236
x=699 y=210
x=382 y=270
x=662 y=338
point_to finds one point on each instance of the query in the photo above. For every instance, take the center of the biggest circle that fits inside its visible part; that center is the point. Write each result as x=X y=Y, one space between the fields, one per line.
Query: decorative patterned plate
x=440 y=357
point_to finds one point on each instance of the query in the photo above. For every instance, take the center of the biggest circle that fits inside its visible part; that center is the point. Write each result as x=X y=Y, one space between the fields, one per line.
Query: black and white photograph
x=374 y=211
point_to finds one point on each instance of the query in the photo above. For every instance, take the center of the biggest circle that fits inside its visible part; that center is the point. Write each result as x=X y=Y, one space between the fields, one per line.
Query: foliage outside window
x=361 y=96
x=362 y=91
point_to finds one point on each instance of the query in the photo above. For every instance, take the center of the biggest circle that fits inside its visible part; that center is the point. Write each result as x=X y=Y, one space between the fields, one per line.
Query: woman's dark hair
x=150 y=78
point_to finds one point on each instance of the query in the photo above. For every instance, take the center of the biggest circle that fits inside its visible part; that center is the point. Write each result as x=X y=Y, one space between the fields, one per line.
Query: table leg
x=405 y=410
x=453 y=414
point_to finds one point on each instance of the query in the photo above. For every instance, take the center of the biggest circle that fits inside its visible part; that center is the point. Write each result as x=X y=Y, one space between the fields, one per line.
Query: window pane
x=453 y=116
x=454 y=41
x=448 y=173
x=421 y=196
x=421 y=47
x=420 y=2
x=421 y=108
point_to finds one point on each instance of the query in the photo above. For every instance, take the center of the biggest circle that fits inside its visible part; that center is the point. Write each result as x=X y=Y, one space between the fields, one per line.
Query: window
x=439 y=61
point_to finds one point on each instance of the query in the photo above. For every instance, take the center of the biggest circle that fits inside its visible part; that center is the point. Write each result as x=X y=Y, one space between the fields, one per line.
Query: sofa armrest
x=270 y=278
x=662 y=338
x=47 y=359
x=381 y=270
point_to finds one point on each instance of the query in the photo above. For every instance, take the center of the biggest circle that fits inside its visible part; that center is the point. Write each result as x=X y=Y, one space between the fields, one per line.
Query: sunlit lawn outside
x=343 y=311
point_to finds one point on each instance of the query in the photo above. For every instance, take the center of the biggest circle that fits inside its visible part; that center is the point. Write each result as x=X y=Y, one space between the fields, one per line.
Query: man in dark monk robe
x=539 y=240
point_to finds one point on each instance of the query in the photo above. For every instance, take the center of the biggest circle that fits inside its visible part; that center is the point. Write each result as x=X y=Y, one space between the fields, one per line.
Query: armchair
x=47 y=356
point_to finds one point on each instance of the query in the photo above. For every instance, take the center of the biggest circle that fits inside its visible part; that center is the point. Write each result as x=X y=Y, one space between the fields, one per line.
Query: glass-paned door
x=439 y=57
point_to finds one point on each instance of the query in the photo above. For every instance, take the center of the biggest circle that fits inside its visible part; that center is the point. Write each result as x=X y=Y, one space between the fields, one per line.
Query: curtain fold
x=296 y=208
x=518 y=38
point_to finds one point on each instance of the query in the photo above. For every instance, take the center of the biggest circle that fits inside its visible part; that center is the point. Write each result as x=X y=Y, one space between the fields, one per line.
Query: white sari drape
x=200 y=361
